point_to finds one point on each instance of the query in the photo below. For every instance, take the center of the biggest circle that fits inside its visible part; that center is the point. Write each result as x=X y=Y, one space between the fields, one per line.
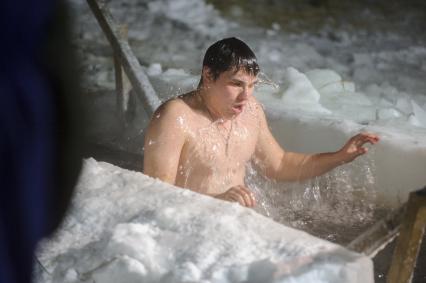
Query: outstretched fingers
x=368 y=138
x=356 y=145
x=361 y=139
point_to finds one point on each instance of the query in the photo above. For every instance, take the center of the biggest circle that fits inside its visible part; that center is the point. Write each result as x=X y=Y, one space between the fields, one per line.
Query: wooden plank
x=409 y=240
x=379 y=235
x=139 y=80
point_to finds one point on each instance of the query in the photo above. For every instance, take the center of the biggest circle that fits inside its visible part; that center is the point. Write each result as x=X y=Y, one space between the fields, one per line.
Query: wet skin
x=203 y=140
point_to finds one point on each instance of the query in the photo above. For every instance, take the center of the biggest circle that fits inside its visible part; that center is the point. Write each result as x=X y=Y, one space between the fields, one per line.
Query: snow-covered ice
x=127 y=227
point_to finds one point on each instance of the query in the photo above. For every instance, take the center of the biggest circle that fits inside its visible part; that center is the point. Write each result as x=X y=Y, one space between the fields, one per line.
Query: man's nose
x=245 y=93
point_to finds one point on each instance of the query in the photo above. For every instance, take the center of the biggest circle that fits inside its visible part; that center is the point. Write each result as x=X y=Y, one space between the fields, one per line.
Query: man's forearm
x=299 y=167
x=321 y=163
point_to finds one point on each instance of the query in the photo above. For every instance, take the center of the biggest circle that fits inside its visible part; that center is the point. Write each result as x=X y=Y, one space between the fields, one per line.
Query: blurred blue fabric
x=27 y=146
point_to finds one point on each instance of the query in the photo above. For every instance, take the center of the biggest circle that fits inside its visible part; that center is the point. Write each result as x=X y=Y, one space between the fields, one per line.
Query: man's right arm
x=164 y=140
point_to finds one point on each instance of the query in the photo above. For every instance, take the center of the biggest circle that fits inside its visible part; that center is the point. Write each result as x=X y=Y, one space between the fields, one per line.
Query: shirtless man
x=204 y=139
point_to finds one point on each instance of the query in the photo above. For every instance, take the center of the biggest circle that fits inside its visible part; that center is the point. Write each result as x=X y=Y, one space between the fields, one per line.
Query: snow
x=127 y=227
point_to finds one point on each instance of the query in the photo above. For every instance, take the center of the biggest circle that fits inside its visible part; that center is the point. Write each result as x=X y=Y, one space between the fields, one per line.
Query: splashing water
x=337 y=206
x=264 y=79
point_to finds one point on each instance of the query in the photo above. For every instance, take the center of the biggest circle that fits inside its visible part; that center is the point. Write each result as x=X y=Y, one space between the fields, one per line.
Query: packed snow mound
x=127 y=227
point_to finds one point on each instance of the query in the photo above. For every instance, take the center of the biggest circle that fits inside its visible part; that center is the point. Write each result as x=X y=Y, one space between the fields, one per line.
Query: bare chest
x=214 y=148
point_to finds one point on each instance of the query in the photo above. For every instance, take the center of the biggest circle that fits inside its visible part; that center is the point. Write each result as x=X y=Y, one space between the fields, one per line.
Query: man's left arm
x=281 y=165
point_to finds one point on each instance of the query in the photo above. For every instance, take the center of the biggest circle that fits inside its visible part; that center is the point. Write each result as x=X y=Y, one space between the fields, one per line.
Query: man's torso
x=215 y=154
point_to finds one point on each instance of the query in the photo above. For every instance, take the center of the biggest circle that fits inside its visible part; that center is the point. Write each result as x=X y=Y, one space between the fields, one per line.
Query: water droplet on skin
x=151 y=142
x=180 y=120
x=158 y=115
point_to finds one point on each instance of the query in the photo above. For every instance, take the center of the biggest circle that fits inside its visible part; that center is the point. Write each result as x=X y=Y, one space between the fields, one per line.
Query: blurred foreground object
x=40 y=144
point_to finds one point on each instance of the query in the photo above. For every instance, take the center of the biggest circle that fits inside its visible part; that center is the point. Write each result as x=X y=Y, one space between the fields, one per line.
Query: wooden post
x=409 y=240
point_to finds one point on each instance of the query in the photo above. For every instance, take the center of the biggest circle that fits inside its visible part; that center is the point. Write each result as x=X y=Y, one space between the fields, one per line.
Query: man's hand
x=239 y=194
x=355 y=146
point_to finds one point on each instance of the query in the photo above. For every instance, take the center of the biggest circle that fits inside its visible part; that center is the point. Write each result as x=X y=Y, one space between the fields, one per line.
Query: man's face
x=230 y=92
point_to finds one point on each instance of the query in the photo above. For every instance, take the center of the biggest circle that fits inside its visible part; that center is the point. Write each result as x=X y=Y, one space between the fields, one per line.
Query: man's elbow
x=164 y=177
x=287 y=172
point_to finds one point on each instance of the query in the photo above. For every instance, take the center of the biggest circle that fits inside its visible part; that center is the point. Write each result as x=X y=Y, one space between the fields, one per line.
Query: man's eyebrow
x=242 y=82
x=237 y=80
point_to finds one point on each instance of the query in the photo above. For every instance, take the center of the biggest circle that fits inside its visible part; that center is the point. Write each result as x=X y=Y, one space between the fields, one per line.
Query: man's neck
x=214 y=114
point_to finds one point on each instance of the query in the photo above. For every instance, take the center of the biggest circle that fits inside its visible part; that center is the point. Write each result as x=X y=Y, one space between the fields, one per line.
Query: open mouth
x=238 y=108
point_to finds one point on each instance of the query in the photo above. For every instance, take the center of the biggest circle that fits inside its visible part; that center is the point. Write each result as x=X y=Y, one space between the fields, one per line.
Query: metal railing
x=130 y=78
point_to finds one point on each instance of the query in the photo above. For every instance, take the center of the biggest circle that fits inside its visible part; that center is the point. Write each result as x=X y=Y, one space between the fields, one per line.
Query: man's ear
x=207 y=75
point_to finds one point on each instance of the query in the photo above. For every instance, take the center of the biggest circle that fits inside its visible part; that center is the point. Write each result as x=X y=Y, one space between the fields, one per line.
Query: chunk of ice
x=419 y=113
x=328 y=81
x=299 y=88
x=301 y=94
x=412 y=120
x=154 y=69
x=404 y=105
x=387 y=113
x=384 y=102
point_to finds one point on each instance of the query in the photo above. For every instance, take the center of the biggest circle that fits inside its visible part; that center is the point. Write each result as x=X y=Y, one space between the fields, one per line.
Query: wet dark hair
x=230 y=53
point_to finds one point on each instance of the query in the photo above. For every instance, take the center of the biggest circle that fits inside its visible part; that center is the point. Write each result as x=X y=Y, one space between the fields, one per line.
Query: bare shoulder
x=172 y=107
x=257 y=108
x=255 y=103
x=172 y=118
